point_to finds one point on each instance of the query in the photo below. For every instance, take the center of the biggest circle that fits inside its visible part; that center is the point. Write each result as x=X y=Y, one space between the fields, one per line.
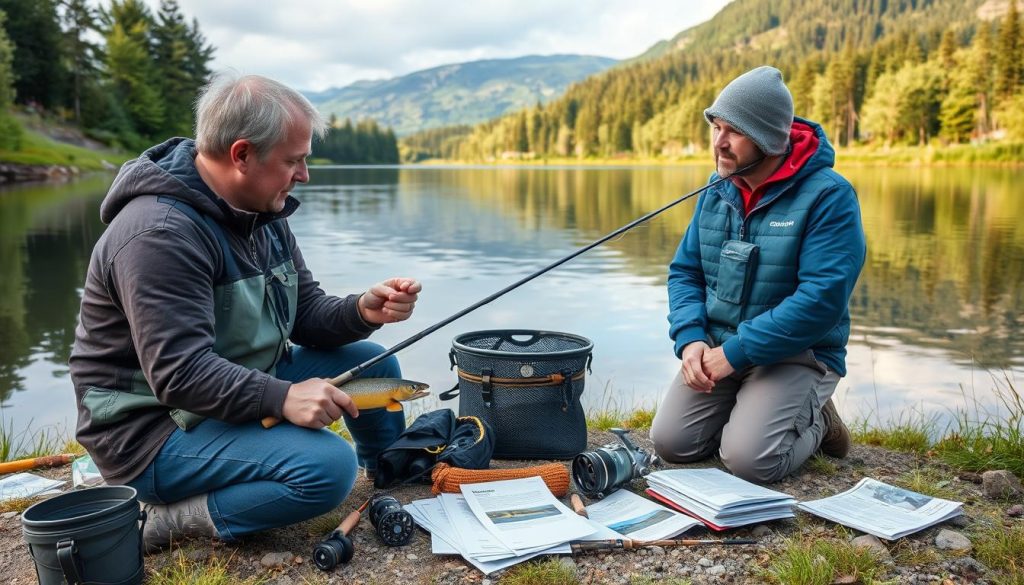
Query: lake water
x=937 y=313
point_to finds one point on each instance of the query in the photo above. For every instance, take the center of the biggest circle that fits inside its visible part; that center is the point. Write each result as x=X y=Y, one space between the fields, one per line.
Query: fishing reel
x=337 y=548
x=394 y=525
x=600 y=472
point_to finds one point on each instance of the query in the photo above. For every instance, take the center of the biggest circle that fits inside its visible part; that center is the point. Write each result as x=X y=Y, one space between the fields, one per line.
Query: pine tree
x=1009 y=72
x=979 y=77
x=802 y=85
x=34 y=31
x=947 y=48
x=522 y=134
x=957 y=113
x=83 y=55
x=10 y=131
x=130 y=65
x=170 y=52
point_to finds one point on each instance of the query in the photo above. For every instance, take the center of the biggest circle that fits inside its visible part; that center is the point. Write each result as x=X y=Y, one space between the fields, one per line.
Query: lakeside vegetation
x=121 y=75
x=813 y=552
x=976 y=440
x=943 y=74
x=38 y=149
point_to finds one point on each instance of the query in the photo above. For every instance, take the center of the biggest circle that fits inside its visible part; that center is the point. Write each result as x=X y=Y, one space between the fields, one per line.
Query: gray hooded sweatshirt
x=188 y=307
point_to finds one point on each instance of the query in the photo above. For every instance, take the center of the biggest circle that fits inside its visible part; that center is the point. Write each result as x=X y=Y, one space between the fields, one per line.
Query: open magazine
x=883 y=510
x=637 y=518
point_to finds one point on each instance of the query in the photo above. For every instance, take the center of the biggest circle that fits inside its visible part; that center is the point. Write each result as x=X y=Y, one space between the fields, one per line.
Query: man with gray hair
x=759 y=292
x=194 y=297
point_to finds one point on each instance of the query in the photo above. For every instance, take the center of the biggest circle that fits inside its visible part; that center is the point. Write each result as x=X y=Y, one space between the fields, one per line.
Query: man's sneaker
x=170 y=522
x=836 y=440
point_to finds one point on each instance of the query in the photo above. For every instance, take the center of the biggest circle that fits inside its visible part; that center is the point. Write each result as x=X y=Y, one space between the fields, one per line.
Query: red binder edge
x=677 y=507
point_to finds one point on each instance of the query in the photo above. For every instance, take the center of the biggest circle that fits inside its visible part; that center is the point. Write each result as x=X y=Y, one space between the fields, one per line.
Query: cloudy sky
x=316 y=44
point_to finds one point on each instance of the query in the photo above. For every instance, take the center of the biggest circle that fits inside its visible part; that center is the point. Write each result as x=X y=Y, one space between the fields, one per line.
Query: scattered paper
x=430 y=514
x=638 y=518
x=523 y=514
x=26 y=485
x=883 y=510
x=718 y=499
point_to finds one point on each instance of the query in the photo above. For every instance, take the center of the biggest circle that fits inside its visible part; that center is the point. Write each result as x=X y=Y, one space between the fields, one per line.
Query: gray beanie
x=759 y=105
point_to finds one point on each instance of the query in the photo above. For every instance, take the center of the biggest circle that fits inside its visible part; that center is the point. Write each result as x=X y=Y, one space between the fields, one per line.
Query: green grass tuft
x=817 y=561
x=19 y=505
x=547 y=572
x=929 y=482
x=184 y=571
x=907 y=552
x=821 y=465
x=982 y=440
x=904 y=434
x=28 y=444
x=641 y=419
x=604 y=420
x=1002 y=548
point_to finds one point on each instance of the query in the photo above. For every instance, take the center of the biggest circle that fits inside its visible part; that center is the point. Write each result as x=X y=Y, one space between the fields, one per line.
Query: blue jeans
x=259 y=478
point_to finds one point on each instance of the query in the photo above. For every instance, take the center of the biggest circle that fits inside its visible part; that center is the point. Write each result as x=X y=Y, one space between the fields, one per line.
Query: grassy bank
x=38 y=149
x=977 y=440
x=989 y=154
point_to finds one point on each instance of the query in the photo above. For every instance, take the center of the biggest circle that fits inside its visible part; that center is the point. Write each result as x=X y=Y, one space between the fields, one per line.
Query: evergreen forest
x=874 y=73
x=125 y=76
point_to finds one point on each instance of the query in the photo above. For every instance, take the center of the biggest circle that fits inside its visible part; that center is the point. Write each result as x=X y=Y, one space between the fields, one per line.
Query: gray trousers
x=764 y=421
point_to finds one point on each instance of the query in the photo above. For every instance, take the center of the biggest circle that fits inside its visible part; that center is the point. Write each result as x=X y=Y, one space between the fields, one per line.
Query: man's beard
x=739 y=167
x=730 y=159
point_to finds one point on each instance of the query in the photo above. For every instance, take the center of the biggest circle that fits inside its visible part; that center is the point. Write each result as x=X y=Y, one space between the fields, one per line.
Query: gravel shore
x=282 y=556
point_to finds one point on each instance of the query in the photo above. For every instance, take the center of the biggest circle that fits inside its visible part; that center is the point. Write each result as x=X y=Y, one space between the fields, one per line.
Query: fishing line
x=352 y=373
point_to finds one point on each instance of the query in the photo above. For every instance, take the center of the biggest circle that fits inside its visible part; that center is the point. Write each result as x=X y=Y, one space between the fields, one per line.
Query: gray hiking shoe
x=836 y=440
x=172 y=522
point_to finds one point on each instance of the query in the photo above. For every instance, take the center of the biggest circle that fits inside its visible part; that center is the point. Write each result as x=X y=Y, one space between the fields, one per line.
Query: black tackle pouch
x=526 y=385
x=736 y=267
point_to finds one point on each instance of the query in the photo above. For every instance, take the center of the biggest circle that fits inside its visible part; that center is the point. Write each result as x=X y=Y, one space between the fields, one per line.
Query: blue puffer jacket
x=777 y=282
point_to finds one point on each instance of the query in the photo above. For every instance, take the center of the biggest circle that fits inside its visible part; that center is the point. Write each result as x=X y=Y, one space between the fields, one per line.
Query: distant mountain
x=462 y=93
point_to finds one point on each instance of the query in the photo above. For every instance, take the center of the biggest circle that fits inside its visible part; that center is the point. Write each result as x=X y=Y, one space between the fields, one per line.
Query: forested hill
x=461 y=93
x=874 y=71
x=797 y=28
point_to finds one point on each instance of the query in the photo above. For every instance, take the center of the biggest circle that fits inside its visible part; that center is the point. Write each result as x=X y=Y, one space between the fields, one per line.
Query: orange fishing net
x=448 y=478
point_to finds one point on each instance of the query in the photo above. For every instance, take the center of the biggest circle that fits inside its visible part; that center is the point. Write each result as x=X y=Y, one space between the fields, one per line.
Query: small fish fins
x=394 y=406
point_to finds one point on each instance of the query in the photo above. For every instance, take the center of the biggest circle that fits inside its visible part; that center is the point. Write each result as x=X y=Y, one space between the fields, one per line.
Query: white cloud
x=315 y=44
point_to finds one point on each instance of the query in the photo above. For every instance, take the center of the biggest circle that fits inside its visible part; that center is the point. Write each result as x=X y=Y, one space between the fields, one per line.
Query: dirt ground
x=375 y=563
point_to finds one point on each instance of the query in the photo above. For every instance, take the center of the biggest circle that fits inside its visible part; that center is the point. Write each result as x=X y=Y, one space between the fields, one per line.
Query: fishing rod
x=583 y=546
x=32 y=463
x=351 y=374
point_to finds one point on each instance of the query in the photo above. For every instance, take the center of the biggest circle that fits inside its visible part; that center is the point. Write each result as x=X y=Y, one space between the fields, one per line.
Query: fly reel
x=393 y=524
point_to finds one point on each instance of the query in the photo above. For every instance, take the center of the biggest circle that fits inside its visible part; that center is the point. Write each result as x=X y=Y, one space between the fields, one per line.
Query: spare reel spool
x=394 y=525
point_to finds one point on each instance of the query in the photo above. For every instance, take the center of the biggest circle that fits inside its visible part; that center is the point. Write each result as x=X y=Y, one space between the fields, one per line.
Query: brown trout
x=387 y=393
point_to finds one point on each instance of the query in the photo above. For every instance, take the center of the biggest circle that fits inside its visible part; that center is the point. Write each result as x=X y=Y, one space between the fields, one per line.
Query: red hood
x=804 y=143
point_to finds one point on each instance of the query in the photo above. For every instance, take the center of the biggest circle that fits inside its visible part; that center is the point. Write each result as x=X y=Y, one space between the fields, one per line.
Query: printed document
x=523 y=514
x=637 y=518
x=883 y=510
x=717 y=498
x=26 y=485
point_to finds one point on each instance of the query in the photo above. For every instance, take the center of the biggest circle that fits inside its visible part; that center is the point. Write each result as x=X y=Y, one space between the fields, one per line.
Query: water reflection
x=938 y=304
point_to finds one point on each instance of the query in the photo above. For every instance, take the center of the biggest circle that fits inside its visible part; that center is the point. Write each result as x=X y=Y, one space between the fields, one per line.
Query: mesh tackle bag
x=526 y=385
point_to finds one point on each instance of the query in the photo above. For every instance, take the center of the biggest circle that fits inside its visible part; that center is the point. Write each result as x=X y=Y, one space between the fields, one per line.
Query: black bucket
x=87 y=537
x=526 y=385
